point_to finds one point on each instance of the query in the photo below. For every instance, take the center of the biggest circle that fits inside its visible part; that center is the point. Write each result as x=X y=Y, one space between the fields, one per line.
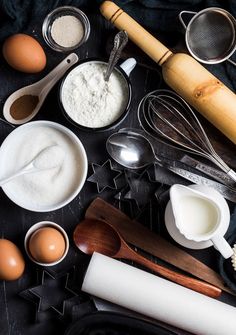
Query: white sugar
x=50 y=157
x=45 y=187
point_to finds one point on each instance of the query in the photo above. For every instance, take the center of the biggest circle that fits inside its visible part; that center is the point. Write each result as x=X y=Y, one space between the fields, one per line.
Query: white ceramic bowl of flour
x=47 y=190
x=92 y=103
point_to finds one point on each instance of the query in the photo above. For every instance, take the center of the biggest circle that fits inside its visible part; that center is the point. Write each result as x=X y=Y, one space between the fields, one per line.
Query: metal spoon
x=39 y=89
x=134 y=151
x=40 y=162
x=131 y=150
x=120 y=41
x=98 y=236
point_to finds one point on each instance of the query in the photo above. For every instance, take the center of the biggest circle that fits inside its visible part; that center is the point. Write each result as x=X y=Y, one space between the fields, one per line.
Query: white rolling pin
x=157 y=298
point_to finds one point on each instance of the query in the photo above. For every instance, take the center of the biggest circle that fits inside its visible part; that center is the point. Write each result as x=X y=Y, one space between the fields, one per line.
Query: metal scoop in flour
x=120 y=42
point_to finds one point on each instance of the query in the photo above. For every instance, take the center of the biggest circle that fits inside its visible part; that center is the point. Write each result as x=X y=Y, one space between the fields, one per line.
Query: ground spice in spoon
x=23 y=106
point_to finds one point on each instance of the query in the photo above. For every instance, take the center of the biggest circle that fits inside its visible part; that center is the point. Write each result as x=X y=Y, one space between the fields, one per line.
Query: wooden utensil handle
x=148 y=43
x=191 y=283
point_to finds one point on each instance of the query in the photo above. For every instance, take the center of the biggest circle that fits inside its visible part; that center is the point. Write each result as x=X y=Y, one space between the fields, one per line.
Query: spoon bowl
x=39 y=89
x=130 y=149
x=98 y=236
x=98 y=230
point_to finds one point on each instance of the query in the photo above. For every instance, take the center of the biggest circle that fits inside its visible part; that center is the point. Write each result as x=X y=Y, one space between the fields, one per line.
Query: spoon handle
x=191 y=283
x=26 y=169
x=52 y=77
x=120 y=41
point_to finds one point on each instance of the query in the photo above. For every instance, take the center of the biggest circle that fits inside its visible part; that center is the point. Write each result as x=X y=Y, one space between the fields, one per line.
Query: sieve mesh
x=211 y=36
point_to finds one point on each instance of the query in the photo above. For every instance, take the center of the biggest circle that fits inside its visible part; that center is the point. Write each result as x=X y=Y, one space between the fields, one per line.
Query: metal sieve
x=210 y=35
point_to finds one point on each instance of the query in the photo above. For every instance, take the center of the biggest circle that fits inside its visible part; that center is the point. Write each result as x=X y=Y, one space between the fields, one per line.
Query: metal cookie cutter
x=50 y=295
x=104 y=176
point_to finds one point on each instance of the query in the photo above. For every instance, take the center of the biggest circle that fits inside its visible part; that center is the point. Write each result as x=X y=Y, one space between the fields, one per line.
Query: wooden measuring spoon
x=94 y=235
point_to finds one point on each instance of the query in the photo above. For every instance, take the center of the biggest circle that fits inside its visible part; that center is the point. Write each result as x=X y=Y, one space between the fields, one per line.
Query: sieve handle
x=231 y=61
x=182 y=19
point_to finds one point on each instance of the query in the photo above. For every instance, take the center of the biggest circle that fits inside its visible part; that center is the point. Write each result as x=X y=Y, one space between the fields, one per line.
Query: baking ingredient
x=12 y=263
x=49 y=158
x=91 y=101
x=44 y=188
x=23 y=106
x=67 y=31
x=198 y=216
x=24 y=53
x=47 y=245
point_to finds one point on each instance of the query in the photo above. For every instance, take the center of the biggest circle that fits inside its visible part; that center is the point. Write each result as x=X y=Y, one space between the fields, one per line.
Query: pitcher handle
x=181 y=17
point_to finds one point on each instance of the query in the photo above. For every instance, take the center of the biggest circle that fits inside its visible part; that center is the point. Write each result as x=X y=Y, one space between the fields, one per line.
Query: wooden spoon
x=98 y=236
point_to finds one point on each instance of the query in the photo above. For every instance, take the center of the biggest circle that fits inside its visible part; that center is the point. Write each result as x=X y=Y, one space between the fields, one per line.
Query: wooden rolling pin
x=182 y=73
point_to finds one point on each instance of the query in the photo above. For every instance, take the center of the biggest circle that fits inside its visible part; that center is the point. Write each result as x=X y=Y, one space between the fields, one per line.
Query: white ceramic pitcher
x=198 y=217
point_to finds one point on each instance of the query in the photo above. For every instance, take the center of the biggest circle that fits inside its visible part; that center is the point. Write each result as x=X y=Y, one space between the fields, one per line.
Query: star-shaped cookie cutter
x=104 y=176
x=41 y=295
x=142 y=187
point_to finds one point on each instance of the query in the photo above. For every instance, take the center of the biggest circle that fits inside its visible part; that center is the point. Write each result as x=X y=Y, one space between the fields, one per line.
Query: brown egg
x=47 y=245
x=12 y=263
x=24 y=53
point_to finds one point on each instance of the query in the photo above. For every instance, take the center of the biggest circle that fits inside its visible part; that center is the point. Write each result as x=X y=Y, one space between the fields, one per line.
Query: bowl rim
x=75 y=140
x=50 y=18
x=114 y=123
x=42 y=224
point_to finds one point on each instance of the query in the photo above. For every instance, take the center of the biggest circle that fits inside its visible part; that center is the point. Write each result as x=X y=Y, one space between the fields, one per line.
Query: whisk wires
x=163 y=113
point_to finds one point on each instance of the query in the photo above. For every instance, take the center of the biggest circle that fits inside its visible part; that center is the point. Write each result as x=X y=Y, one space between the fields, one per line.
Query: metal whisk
x=165 y=114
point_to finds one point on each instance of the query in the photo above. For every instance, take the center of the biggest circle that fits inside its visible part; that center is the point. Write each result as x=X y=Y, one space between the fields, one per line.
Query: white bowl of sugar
x=49 y=189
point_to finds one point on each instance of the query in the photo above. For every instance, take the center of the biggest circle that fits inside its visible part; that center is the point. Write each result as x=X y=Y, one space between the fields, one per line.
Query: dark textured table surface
x=17 y=315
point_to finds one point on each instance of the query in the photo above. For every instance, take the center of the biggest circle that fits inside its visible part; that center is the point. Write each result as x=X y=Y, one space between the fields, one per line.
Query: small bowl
x=19 y=196
x=57 y=13
x=122 y=115
x=44 y=224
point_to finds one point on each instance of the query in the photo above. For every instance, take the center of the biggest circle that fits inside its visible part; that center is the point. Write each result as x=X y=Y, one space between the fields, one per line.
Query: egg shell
x=24 y=53
x=12 y=263
x=47 y=245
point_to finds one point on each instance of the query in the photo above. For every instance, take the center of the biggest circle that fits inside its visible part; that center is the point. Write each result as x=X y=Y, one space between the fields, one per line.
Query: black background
x=17 y=315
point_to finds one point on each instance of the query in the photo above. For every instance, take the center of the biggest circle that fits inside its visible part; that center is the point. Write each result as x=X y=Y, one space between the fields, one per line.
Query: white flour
x=91 y=101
